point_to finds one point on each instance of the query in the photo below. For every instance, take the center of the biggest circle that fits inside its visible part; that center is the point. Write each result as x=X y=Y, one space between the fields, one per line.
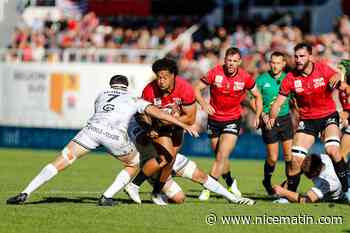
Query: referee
x=268 y=84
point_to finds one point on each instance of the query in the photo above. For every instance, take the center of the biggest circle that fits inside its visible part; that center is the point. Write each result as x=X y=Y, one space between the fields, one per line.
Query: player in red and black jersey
x=228 y=86
x=174 y=95
x=312 y=85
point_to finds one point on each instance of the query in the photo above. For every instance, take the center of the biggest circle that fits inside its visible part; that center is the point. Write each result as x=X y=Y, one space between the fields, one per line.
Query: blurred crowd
x=44 y=40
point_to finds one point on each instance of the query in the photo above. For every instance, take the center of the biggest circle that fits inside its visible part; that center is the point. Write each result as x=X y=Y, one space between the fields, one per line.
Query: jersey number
x=110 y=107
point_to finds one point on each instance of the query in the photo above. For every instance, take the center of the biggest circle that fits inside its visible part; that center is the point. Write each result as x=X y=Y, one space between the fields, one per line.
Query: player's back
x=328 y=179
x=115 y=107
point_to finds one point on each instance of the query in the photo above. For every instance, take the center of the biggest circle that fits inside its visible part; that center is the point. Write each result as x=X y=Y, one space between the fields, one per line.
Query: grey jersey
x=327 y=185
x=115 y=107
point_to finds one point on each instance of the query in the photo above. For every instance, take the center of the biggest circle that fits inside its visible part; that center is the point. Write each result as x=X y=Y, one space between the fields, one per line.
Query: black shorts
x=173 y=132
x=346 y=129
x=281 y=131
x=315 y=126
x=216 y=128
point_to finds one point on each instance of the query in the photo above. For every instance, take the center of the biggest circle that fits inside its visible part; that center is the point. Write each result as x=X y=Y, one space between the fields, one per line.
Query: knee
x=333 y=152
x=272 y=160
x=178 y=198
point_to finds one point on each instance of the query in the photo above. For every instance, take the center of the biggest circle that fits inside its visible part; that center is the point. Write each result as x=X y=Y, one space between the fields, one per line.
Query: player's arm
x=258 y=104
x=188 y=115
x=275 y=109
x=155 y=112
x=310 y=196
x=198 y=87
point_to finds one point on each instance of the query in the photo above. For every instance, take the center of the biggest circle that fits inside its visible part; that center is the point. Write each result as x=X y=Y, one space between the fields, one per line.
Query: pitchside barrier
x=44 y=105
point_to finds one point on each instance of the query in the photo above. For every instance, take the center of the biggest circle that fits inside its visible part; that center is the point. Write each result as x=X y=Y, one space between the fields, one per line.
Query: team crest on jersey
x=157 y=101
x=237 y=86
x=318 y=82
x=298 y=86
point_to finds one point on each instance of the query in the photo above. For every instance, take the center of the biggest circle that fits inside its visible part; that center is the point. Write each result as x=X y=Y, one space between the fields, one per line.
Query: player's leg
x=332 y=148
x=269 y=166
x=68 y=155
x=173 y=193
x=345 y=150
x=302 y=142
x=165 y=149
x=131 y=164
x=192 y=172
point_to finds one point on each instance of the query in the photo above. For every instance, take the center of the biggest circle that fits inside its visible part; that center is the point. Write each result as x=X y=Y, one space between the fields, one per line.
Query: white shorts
x=113 y=139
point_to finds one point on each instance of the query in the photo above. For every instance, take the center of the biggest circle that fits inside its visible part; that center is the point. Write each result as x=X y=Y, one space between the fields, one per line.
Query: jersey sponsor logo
x=177 y=101
x=157 y=101
x=318 y=82
x=298 y=86
x=331 y=120
x=108 y=107
x=301 y=125
x=218 y=80
x=231 y=128
x=237 y=86
x=266 y=85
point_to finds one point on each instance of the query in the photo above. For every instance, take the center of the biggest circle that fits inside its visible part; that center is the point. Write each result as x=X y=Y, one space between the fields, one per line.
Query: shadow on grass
x=81 y=200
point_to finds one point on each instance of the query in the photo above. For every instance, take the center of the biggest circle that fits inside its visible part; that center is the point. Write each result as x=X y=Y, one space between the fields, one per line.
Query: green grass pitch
x=68 y=202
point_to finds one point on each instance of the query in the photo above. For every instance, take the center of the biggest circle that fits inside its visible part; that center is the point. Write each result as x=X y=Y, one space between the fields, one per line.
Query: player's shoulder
x=263 y=77
x=182 y=83
x=216 y=69
x=243 y=73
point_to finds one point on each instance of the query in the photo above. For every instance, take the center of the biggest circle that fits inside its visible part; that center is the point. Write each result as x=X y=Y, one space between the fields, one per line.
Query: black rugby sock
x=140 y=178
x=341 y=170
x=293 y=182
x=268 y=170
x=228 y=179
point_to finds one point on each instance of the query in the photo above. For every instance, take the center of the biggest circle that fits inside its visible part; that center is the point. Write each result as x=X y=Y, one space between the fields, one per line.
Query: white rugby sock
x=122 y=179
x=214 y=186
x=45 y=174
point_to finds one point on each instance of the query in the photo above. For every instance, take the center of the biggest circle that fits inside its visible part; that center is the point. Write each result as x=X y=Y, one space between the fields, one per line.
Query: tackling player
x=114 y=108
x=172 y=94
x=327 y=187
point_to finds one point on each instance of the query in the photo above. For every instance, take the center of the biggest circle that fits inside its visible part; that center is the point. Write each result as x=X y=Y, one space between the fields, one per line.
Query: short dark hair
x=165 y=64
x=119 y=79
x=312 y=166
x=277 y=54
x=232 y=51
x=303 y=45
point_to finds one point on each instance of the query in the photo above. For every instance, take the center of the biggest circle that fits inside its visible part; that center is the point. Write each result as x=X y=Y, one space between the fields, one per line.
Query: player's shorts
x=315 y=126
x=115 y=141
x=346 y=129
x=216 y=128
x=174 y=132
x=281 y=131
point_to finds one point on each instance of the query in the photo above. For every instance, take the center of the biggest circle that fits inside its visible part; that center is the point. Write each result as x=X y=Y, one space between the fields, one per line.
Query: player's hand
x=270 y=123
x=256 y=121
x=335 y=80
x=265 y=117
x=208 y=109
x=278 y=190
x=152 y=134
x=192 y=130
x=344 y=118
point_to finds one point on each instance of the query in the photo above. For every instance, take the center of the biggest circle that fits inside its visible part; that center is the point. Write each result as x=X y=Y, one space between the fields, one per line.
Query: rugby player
x=174 y=95
x=312 y=85
x=228 y=86
x=114 y=108
x=327 y=187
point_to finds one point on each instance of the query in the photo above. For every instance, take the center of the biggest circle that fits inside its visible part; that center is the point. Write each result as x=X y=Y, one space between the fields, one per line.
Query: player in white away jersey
x=114 y=108
x=327 y=186
x=182 y=167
